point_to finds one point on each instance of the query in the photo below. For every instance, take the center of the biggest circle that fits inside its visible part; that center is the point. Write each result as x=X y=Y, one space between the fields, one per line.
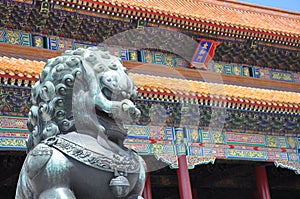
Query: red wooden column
x=195 y=193
x=262 y=183
x=184 y=178
x=147 y=193
x=255 y=195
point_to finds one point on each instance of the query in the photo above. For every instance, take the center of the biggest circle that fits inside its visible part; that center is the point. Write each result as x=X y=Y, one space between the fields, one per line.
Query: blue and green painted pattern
x=200 y=145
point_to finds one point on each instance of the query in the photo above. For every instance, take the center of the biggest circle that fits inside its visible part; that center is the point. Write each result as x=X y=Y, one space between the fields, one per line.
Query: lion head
x=83 y=90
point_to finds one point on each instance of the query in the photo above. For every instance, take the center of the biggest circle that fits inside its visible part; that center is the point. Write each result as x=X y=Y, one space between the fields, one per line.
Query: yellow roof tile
x=221 y=90
x=29 y=68
x=231 y=13
x=20 y=67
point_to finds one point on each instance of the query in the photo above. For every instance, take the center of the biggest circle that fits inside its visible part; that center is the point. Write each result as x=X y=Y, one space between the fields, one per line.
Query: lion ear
x=87 y=68
x=85 y=64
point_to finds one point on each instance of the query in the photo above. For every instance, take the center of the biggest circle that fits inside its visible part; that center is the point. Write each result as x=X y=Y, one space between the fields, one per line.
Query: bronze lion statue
x=75 y=146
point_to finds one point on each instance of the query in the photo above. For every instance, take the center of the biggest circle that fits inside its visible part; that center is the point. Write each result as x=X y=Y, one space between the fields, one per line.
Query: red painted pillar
x=147 y=193
x=195 y=193
x=184 y=178
x=255 y=195
x=262 y=183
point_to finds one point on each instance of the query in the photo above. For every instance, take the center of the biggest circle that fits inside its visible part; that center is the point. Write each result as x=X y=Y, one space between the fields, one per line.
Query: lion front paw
x=129 y=108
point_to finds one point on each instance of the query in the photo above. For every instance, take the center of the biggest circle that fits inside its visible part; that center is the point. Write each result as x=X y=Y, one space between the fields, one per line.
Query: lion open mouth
x=107 y=93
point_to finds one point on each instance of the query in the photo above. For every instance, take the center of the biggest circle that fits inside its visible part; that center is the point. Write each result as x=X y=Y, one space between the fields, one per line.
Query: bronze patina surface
x=75 y=146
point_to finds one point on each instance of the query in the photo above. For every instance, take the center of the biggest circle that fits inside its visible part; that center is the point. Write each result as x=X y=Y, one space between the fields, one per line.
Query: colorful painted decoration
x=77 y=45
x=204 y=53
x=38 y=41
x=282 y=76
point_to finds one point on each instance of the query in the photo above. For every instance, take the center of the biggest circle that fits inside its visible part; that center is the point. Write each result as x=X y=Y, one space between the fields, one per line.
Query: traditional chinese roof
x=239 y=45
x=223 y=12
x=173 y=89
x=10 y=66
x=179 y=89
x=227 y=13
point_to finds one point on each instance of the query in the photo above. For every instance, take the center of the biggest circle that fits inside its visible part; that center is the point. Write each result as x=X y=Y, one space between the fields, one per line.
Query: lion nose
x=114 y=84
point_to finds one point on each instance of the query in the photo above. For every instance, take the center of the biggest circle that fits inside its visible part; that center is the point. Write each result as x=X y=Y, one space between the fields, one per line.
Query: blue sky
x=293 y=5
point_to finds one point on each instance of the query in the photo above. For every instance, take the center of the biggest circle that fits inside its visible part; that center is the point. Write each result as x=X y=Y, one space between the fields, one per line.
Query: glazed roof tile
x=20 y=67
x=190 y=88
x=228 y=13
x=165 y=85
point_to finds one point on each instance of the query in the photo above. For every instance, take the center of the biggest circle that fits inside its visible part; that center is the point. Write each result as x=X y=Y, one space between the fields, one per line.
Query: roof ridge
x=263 y=9
x=255 y=9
